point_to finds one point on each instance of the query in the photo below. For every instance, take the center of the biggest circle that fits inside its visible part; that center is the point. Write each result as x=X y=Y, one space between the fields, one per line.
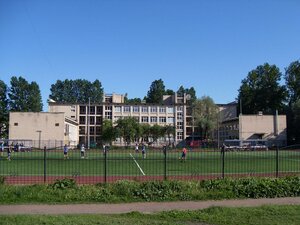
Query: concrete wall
x=69 y=110
x=25 y=125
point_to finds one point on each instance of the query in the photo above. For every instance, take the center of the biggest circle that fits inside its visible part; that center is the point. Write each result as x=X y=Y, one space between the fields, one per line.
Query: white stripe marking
x=137 y=165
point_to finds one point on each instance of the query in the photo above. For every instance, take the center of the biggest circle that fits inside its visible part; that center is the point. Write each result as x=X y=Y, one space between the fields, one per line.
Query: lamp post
x=40 y=134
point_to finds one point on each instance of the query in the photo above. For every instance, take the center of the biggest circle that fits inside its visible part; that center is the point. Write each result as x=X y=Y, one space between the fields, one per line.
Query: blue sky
x=127 y=44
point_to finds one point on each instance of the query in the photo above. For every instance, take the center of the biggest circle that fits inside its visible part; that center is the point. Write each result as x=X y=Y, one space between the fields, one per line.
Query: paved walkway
x=143 y=207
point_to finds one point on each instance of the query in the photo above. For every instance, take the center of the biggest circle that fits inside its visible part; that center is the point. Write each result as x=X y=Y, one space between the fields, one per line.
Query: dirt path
x=143 y=207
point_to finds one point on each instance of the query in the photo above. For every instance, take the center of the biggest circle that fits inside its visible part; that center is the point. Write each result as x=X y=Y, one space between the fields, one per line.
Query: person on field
x=144 y=151
x=66 y=150
x=82 y=151
x=183 y=154
x=136 y=148
x=9 y=150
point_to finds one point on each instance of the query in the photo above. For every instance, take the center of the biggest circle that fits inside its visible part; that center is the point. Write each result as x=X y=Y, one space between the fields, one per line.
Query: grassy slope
x=266 y=215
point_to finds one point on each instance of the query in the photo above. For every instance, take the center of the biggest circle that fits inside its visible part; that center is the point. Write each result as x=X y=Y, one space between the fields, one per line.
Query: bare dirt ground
x=143 y=207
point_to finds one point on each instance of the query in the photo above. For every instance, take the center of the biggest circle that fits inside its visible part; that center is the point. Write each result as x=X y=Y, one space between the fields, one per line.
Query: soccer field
x=129 y=164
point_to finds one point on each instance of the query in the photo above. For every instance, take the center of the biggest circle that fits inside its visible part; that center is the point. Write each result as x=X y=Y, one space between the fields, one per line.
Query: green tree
x=76 y=91
x=169 y=92
x=169 y=130
x=261 y=91
x=156 y=92
x=127 y=129
x=132 y=100
x=188 y=91
x=3 y=110
x=205 y=113
x=108 y=131
x=292 y=78
x=146 y=134
x=156 y=132
x=24 y=97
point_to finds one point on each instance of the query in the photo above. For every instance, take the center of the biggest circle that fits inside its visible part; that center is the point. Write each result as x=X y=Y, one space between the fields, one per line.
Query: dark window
x=98 y=131
x=92 y=130
x=92 y=120
x=16 y=124
x=57 y=124
x=82 y=120
x=82 y=110
x=92 y=110
x=81 y=130
x=98 y=120
x=99 y=110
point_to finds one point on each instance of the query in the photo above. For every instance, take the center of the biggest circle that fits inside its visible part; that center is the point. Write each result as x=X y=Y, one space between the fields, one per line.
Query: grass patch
x=67 y=191
x=265 y=215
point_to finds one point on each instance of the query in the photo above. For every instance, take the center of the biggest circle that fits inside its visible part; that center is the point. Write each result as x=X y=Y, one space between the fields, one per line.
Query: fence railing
x=99 y=166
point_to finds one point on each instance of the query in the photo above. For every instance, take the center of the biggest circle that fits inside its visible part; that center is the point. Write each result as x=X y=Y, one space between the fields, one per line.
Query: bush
x=2 y=179
x=63 y=184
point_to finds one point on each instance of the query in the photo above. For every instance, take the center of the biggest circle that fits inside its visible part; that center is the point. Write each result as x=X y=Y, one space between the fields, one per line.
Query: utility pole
x=88 y=124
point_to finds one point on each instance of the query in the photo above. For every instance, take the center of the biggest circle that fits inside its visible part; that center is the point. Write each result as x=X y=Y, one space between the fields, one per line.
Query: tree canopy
x=77 y=91
x=156 y=92
x=3 y=110
x=292 y=77
x=189 y=91
x=261 y=91
x=24 y=97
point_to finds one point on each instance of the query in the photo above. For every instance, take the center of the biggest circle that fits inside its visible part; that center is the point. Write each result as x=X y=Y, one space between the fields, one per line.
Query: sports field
x=127 y=164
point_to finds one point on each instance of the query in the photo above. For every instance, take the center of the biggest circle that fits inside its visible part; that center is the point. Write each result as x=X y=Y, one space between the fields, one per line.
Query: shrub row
x=66 y=190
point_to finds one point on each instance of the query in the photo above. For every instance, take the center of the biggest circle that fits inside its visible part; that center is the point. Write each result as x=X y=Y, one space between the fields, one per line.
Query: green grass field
x=129 y=163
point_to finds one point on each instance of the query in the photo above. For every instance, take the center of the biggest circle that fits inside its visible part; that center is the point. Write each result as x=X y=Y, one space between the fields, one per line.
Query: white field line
x=137 y=165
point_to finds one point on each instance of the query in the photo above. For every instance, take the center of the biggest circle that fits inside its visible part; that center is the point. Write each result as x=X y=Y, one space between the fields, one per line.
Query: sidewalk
x=143 y=207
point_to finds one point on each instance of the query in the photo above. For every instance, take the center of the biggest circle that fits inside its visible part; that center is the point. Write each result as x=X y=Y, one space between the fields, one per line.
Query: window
x=179 y=125
x=73 y=108
x=98 y=120
x=117 y=108
x=92 y=110
x=81 y=130
x=98 y=130
x=153 y=109
x=16 y=124
x=144 y=119
x=171 y=120
x=82 y=120
x=108 y=115
x=72 y=117
x=153 y=119
x=92 y=130
x=126 y=108
x=108 y=108
x=82 y=110
x=162 y=119
x=92 y=120
x=179 y=135
x=162 y=109
x=99 y=110
x=170 y=109
x=179 y=116
x=144 y=109
x=57 y=124
x=136 y=109
x=180 y=108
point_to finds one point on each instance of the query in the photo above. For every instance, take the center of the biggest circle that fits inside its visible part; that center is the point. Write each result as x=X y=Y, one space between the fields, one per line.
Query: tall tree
x=189 y=91
x=131 y=100
x=261 y=91
x=156 y=92
x=3 y=110
x=127 y=129
x=108 y=132
x=24 y=97
x=76 y=91
x=169 y=92
x=205 y=113
x=292 y=78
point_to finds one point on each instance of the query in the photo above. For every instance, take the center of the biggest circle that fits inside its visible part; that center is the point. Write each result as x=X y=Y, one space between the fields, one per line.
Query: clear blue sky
x=126 y=44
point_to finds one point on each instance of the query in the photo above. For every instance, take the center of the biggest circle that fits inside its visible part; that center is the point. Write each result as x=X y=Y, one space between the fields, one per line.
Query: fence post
x=105 y=166
x=277 y=161
x=45 y=164
x=165 y=162
x=223 y=161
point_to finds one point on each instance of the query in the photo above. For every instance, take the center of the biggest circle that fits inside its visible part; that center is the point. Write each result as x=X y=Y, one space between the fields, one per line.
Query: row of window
x=92 y=110
x=93 y=130
x=93 y=119
x=151 y=119
x=144 y=109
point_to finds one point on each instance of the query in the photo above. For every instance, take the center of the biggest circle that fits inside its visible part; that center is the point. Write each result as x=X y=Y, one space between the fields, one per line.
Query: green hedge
x=67 y=191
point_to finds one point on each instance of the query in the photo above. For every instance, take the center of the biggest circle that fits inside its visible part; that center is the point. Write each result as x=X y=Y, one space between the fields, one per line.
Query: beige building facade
x=42 y=129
